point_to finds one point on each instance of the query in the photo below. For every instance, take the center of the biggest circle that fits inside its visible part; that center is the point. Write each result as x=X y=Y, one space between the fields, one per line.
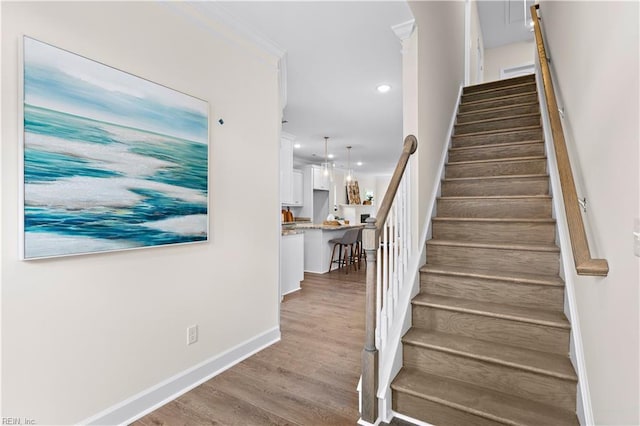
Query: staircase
x=489 y=343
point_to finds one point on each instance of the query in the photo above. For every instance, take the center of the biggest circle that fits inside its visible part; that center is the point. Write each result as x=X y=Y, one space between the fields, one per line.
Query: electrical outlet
x=192 y=334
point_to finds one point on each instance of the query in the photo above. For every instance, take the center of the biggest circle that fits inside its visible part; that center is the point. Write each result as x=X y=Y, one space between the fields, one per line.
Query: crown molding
x=404 y=30
x=213 y=11
x=288 y=136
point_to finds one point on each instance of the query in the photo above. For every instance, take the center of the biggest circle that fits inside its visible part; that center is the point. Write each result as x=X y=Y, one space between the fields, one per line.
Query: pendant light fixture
x=349 y=176
x=326 y=167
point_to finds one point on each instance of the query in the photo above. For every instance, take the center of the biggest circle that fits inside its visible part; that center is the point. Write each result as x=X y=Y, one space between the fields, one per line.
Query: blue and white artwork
x=111 y=161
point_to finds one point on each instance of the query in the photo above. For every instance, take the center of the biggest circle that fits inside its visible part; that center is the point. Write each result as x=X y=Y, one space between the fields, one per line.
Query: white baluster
x=378 y=299
x=385 y=275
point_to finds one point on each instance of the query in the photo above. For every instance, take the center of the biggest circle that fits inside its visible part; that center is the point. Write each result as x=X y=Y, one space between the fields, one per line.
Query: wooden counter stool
x=360 y=254
x=348 y=241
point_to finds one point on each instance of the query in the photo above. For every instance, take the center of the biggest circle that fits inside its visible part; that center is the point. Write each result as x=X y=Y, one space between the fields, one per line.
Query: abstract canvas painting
x=111 y=161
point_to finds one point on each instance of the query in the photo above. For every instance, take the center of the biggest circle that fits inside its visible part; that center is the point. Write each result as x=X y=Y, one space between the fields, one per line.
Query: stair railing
x=584 y=263
x=387 y=242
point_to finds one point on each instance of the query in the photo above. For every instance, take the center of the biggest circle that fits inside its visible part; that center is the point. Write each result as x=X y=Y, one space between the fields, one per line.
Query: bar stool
x=348 y=241
x=360 y=255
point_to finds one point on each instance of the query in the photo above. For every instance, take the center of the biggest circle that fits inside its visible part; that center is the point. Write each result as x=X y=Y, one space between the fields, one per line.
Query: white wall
x=80 y=334
x=337 y=193
x=381 y=186
x=476 y=47
x=594 y=57
x=440 y=72
x=507 y=56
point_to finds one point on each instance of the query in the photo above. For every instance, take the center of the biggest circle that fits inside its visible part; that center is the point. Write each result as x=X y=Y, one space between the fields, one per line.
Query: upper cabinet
x=291 y=181
x=320 y=180
x=298 y=188
x=286 y=169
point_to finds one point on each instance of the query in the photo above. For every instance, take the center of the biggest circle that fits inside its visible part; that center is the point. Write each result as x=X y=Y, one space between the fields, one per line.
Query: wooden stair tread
x=524 y=359
x=499 y=88
x=496 y=310
x=515 y=277
x=498 y=160
x=497 y=98
x=493 y=220
x=493 y=197
x=490 y=120
x=490 y=342
x=495 y=109
x=501 y=145
x=525 y=247
x=474 y=178
x=498 y=131
x=501 y=83
x=480 y=401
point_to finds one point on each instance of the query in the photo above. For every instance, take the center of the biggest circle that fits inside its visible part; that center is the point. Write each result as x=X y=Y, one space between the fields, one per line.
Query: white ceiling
x=337 y=54
x=503 y=22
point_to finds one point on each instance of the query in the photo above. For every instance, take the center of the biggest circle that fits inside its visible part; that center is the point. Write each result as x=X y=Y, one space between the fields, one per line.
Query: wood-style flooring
x=308 y=378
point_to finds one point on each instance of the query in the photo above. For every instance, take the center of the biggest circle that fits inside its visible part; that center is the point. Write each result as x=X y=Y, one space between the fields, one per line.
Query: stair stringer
x=390 y=361
x=584 y=409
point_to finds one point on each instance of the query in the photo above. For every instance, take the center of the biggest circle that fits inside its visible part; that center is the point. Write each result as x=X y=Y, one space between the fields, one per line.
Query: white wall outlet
x=192 y=334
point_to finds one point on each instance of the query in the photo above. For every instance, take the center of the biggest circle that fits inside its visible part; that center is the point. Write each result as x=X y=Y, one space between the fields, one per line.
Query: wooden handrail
x=370 y=242
x=409 y=147
x=585 y=264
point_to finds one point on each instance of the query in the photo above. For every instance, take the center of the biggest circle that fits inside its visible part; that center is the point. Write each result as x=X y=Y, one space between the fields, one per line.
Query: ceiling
x=503 y=22
x=337 y=54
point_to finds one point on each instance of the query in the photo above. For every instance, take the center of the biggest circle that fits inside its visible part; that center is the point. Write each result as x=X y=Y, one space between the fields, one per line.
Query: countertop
x=326 y=227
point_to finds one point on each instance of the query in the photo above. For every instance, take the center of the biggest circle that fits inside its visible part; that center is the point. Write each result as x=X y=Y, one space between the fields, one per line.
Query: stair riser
x=435 y=413
x=498 y=152
x=499 y=330
x=542 y=388
x=495 y=208
x=528 y=262
x=501 y=168
x=496 y=103
x=481 y=187
x=496 y=138
x=496 y=93
x=532 y=108
x=507 y=123
x=483 y=232
x=500 y=83
x=484 y=290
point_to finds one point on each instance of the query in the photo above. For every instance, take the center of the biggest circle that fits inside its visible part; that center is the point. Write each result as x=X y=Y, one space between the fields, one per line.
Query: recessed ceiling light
x=359 y=163
x=330 y=155
x=296 y=145
x=383 y=88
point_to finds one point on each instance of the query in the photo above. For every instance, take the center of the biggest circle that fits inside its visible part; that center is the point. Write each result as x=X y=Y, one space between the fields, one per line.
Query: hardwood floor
x=308 y=378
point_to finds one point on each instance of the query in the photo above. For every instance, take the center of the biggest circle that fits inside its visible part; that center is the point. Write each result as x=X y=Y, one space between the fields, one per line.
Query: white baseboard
x=292 y=291
x=156 y=396
x=584 y=409
x=366 y=423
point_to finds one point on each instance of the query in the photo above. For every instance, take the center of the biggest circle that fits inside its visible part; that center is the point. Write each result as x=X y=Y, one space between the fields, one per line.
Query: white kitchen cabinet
x=320 y=181
x=291 y=263
x=298 y=188
x=286 y=169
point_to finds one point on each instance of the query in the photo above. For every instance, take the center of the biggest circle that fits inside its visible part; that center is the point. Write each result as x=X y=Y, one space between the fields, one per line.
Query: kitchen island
x=317 y=249
x=291 y=261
